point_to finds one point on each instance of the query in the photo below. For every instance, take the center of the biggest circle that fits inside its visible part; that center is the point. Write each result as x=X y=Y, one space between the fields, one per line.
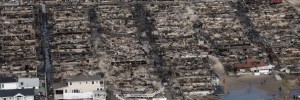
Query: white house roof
x=263 y=67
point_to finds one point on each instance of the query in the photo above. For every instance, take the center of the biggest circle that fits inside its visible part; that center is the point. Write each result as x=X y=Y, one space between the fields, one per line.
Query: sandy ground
x=271 y=85
x=217 y=67
x=232 y=83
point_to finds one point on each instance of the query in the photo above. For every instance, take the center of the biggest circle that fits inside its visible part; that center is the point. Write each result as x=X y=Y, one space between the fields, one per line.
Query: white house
x=80 y=87
x=27 y=83
x=18 y=83
x=8 y=83
x=262 y=70
x=12 y=88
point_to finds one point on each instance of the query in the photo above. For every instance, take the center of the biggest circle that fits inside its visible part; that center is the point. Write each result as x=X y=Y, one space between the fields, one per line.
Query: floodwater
x=249 y=93
x=295 y=92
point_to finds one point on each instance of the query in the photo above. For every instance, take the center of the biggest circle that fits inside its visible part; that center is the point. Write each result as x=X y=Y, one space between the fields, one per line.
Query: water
x=295 y=92
x=249 y=93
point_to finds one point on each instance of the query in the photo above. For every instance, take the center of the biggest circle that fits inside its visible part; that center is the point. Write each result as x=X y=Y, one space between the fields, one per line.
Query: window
x=4 y=98
x=70 y=83
x=76 y=91
x=66 y=91
x=86 y=82
x=97 y=88
x=92 y=82
x=22 y=83
x=2 y=85
x=80 y=83
x=19 y=98
x=59 y=91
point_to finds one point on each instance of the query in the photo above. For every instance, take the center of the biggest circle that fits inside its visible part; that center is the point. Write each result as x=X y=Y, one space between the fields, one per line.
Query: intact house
x=13 y=88
x=80 y=87
x=256 y=67
x=8 y=83
x=28 y=83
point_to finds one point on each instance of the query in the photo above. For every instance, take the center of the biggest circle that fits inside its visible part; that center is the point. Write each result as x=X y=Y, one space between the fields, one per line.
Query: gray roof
x=83 y=78
x=29 y=82
x=8 y=79
x=13 y=92
x=59 y=85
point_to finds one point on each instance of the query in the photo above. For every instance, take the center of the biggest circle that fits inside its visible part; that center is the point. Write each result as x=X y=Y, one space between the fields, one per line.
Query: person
x=279 y=89
x=294 y=97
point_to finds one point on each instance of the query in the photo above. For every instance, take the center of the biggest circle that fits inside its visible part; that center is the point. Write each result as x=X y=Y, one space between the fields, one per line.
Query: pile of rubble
x=70 y=40
x=127 y=61
x=19 y=41
x=279 y=26
x=184 y=49
x=139 y=46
